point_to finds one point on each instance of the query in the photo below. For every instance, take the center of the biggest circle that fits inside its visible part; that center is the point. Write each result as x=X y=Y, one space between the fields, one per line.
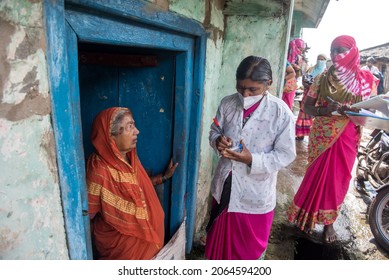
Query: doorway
x=144 y=81
x=131 y=28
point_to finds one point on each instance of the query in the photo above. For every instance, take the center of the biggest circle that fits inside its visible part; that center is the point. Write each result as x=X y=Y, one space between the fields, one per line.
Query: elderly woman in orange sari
x=127 y=220
x=333 y=139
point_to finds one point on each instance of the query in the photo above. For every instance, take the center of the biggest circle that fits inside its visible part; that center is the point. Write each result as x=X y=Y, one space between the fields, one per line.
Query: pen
x=333 y=101
x=218 y=126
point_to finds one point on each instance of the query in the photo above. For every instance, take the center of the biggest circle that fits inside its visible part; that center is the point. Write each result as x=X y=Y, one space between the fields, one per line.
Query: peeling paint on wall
x=29 y=194
x=247 y=35
x=189 y=8
x=24 y=82
x=22 y=12
x=31 y=218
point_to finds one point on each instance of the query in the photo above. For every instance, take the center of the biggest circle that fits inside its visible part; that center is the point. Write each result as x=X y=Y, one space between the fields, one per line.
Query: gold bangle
x=318 y=111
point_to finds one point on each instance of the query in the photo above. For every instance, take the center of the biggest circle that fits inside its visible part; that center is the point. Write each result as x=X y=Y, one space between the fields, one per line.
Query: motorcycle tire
x=379 y=218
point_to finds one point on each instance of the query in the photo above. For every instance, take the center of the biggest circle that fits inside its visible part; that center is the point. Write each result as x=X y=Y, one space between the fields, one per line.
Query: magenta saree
x=238 y=236
x=325 y=185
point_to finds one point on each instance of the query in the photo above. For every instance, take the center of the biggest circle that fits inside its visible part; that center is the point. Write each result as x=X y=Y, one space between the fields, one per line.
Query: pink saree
x=288 y=98
x=238 y=236
x=333 y=140
x=325 y=185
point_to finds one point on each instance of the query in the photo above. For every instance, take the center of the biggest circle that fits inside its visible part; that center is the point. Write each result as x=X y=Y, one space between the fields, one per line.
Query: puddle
x=308 y=250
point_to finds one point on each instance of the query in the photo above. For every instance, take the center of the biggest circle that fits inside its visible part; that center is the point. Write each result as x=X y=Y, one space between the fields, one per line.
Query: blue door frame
x=132 y=23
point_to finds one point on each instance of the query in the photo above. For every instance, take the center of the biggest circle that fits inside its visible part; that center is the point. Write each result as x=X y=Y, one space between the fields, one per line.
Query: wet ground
x=355 y=240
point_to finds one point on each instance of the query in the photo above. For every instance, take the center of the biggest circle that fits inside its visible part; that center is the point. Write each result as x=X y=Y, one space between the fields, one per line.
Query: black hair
x=255 y=68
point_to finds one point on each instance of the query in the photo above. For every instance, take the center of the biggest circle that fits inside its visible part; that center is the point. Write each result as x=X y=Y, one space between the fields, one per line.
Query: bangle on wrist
x=164 y=179
x=318 y=111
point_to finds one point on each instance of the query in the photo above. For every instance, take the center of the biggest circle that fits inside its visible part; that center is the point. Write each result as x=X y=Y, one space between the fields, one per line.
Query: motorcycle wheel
x=379 y=218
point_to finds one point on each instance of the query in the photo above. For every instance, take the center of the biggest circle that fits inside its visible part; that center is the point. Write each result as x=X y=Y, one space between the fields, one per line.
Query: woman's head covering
x=347 y=67
x=320 y=66
x=122 y=193
x=102 y=139
x=294 y=49
x=323 y=55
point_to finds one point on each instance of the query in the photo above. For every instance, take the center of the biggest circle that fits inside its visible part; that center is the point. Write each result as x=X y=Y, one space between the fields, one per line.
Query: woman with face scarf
x=304 y=121
x=244 y=183
x=293 y=65
x=333 y=139
x=295 y=51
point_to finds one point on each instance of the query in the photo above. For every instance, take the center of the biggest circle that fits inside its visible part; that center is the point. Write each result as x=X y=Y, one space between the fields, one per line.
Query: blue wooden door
x=149 y=93
x=129 y=24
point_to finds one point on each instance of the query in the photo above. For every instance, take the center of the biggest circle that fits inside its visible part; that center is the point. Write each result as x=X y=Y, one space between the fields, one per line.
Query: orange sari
x=129 y=220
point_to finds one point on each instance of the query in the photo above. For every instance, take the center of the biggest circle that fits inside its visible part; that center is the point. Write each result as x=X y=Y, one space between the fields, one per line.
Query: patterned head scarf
x=347 y=68
x=294 y=49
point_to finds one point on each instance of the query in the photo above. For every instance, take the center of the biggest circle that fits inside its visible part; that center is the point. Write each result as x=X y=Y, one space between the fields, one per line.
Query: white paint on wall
x=31 y=219
x=13 y=88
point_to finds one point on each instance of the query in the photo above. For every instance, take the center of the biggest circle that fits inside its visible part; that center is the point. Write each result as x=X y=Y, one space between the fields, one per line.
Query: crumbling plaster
x=31 y=218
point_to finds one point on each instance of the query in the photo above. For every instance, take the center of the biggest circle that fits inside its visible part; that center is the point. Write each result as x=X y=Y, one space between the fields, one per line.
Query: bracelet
x=318 y=111
x=164 y=179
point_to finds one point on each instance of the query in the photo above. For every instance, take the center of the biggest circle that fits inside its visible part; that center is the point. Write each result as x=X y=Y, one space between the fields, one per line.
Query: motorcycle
x=373 y=179
x=379 y=217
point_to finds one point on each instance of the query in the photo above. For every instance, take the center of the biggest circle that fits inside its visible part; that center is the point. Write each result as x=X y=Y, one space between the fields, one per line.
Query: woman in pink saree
x=333 y=139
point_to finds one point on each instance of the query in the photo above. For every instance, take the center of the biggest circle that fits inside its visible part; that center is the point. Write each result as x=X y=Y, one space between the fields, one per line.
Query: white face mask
x=251 y=100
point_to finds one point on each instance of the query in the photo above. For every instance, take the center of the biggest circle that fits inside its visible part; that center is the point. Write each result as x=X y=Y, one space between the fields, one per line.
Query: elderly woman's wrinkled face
x=127 y=137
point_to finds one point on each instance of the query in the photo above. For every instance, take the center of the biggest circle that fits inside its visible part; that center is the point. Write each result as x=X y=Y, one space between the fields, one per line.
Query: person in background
x=290 y=85
x=295 y=58
x=379 y=89
x=127 y=220
x=333 y=140
x=370 y=66
x=304 y=121
x=253 y=134
x=296 y=51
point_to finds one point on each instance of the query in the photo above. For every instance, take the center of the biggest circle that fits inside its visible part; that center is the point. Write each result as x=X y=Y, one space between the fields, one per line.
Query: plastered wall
x=31 y=219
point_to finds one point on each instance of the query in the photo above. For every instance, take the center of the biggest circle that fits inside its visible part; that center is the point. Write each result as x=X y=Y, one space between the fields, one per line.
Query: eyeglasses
x=129 y=126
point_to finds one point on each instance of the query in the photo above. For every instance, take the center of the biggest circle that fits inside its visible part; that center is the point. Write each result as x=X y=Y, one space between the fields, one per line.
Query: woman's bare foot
x=329 y=233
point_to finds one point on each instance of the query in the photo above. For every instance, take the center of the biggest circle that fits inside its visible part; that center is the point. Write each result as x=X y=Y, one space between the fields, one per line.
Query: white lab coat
x=269 y=135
